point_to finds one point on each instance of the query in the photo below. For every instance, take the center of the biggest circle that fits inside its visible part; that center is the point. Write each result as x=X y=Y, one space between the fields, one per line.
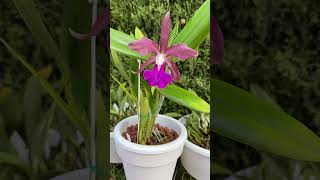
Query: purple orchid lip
x=157 y=77
x=162 y=56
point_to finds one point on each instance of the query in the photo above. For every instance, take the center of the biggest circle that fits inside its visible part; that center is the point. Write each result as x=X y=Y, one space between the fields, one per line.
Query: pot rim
x=150 y=149
x=194 y=147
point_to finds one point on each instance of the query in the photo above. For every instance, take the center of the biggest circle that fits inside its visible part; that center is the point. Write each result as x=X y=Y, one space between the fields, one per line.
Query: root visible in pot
x=165 y=135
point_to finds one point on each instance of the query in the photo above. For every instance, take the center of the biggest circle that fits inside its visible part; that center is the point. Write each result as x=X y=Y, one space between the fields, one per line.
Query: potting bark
x=167 y=135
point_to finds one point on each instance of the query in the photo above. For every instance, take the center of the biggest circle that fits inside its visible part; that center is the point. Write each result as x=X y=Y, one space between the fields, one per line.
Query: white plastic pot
x=195 y=159
x=114 y=158
x=149 y=162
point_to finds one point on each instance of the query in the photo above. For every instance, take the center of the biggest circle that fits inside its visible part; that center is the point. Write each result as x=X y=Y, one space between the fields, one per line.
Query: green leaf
x=143 y=119
x=46 y=71
x=118 y=64
x=173 y=34
x=123 y=87
x=32 y=106
x=248 y=119
x=197 y=29
x=258 y=91
x=32 y=18
x=73 y=117
x=134 y=66
x=13 y=160
x=119 y=42
x=102 y=148
x=113 y=112
x=39 y=137
x=173 y=114
x=185 y=98
x=220 y=170
x=77 y=53
x=138 y=33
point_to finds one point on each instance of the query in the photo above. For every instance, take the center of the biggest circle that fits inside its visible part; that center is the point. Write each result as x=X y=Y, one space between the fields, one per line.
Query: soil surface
x=167 y=135
x=204 y=143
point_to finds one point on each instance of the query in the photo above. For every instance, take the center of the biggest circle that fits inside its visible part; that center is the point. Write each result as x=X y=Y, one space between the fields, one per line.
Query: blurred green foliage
x=25 y=110
x=14 y=30
x=273 y=46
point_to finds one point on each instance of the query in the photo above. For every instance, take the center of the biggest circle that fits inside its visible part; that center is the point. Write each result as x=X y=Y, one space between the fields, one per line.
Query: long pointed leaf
x=185 y=98
x=197 y=28
x=119 y=42
x=117 y=62
x=248 y=119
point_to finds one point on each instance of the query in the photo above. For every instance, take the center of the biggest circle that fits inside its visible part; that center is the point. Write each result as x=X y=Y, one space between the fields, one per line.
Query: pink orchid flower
x=162 y=56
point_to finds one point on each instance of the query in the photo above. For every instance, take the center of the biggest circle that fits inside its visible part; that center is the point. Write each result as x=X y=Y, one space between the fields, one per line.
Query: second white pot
x=195 y=159
x=149 y=162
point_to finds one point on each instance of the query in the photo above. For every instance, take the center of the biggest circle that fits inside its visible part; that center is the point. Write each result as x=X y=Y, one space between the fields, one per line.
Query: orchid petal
x=144 y=46
x=98 y=26
x=147 y=63
x=217 y=42
x=165 y=32
x=164 y=78
x=181 y=51
x=151 y=76
x=174 y=69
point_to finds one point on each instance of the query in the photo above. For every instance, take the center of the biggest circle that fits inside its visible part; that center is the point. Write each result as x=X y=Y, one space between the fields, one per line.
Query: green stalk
x=154 y=113
x=143 y=119
x=156 y=102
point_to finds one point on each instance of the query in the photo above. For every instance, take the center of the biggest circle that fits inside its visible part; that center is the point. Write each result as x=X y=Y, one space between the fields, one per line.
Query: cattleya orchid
x=162 y=56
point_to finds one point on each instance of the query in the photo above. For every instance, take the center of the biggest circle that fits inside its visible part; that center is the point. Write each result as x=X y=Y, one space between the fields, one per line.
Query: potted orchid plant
x=196 y=153
x=149 y=144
